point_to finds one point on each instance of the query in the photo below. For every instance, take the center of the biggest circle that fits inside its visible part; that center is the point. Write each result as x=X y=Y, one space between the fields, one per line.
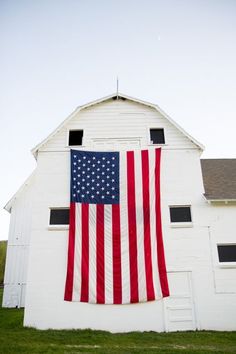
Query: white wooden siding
x=222 y=231
x=119 y=119
x=17 y=257
x=20 y=224
x=179 y=307
x=15 y=276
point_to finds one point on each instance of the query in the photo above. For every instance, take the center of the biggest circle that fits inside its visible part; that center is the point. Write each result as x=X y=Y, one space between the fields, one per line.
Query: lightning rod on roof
x=117 y=87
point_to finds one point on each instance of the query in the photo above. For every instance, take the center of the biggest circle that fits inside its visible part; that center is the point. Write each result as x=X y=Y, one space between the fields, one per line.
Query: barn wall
x=194 y=303
x=15 y=277
x=222 y=231
x=47 y=309
x=202 y=290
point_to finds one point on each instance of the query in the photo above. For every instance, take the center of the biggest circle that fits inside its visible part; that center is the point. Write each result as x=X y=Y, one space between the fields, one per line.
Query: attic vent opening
x=157 y=136
x=75 y=137
x=118 y=98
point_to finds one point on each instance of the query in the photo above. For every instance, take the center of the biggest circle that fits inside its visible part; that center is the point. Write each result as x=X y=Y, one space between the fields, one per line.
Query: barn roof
x=104 y=99
x=219 y=178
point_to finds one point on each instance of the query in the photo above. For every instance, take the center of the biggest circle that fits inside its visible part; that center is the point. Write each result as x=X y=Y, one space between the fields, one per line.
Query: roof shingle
x=219 y=178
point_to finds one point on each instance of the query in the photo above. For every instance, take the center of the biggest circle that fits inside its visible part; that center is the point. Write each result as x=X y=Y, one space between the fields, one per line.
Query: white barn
x=198 y=202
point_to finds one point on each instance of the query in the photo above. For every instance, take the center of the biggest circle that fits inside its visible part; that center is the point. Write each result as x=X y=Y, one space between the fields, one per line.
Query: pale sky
x=59 y=54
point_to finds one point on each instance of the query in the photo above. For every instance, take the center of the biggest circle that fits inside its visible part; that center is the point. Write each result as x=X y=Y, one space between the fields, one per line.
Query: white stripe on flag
x=156 y=280
x=140 y=227
x=125 y=268
x=92 y=253
x=108 y=255
x=77 y=257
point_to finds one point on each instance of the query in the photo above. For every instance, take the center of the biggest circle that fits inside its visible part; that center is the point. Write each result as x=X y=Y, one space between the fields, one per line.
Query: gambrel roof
x=87 y=105
x=104 y=99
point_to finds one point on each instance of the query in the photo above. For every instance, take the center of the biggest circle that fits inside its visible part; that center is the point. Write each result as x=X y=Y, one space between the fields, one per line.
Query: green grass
x=3 y=249
x=14 y=338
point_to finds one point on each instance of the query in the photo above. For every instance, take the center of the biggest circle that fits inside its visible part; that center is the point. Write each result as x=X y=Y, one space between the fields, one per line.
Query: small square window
x=227 y=253
x=59 y=216
x=157 y=136
x=75 y=137
x=180 y=214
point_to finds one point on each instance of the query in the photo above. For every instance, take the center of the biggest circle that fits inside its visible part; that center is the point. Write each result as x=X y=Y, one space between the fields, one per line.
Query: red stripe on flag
x=160 y=246
x=147 y=230
x=116 y=254
x=85 y=253
x=134 y=296
x=100 y=255
x=71 y=254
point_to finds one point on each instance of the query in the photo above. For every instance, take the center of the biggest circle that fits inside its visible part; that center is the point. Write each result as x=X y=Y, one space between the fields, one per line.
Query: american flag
x=115 y=251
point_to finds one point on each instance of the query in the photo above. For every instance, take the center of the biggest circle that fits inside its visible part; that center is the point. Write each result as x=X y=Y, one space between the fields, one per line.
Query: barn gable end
x=119 y=117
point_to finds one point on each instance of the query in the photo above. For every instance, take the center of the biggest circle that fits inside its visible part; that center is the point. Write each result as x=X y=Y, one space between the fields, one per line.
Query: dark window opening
x=227 y=253
x=157 y=136
x=118 y=98
x=75 y=137
x=180 y=214
x=59 y=216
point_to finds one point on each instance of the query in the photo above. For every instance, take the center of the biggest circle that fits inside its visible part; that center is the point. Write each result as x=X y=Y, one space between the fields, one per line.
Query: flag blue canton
x=95 y=177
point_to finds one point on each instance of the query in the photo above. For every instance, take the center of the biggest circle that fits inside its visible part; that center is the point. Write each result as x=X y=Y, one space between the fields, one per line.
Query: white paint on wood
x=121 y=99
x=20 y=230
x=179 y=307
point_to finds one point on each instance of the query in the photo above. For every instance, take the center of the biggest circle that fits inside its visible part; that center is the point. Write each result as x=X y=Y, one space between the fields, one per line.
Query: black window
x=75 y=137
x=157 y=136
x=59 y=216
x=180 y=214
x=227 y=253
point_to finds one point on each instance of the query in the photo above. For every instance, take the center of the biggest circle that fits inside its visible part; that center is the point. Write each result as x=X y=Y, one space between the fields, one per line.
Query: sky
x=59 y=54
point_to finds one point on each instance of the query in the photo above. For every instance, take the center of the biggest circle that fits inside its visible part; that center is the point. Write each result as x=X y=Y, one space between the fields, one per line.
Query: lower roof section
x=219 y=178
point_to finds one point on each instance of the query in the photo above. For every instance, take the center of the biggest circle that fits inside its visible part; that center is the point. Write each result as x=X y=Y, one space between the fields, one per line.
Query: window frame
x=149 y=136
x=57 y=226
x=181 y=224
x=68 y=137
x=225 y=264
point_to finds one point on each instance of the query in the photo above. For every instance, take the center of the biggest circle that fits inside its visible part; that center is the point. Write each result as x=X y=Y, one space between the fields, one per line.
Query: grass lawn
x=14 y=338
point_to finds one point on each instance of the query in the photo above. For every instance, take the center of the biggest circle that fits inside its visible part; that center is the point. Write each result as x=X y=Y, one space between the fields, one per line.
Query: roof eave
x=34 y=151
x=193 y=140
x=220 y=200
x=9 y=204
